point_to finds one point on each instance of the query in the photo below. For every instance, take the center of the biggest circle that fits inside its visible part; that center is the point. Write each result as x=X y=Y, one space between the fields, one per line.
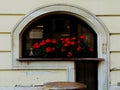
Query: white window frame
x=86 y=16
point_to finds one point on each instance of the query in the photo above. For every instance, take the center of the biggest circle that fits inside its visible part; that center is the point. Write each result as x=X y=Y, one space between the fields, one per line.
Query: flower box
x=62 y=48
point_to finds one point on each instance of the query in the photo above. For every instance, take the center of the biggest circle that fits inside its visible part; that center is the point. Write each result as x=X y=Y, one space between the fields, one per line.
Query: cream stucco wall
x=12 y=11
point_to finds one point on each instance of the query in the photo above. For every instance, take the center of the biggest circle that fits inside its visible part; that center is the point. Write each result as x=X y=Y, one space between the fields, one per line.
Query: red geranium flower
x=42 y=43
x=78 y=48
x=82 y=37
x=91 y=49
x=73 y=38
x=53 y=49
x=67 y=39
x=66 y=45
x=54 y=41
x=36 y=45
x=48 y=50
x=62 y=49
x=69 y=54
x=72 y=43
x=48 y=40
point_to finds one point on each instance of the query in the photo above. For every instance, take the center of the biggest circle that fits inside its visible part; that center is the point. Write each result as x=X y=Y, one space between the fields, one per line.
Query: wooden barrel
x=64 y=86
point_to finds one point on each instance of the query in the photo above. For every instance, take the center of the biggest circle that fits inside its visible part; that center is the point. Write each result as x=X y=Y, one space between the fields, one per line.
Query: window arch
x=58 y=25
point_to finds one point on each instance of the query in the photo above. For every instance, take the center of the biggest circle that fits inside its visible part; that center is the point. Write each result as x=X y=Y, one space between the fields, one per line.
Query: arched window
x=57 y=21
x=56 y=26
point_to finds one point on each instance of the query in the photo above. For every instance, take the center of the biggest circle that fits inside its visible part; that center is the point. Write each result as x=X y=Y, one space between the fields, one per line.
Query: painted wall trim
x=94 y=22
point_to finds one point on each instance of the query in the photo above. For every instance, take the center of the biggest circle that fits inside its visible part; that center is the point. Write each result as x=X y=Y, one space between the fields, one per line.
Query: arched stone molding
x=86 y=16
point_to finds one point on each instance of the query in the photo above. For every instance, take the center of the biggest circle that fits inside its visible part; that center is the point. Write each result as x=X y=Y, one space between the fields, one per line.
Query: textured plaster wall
x=12 y=11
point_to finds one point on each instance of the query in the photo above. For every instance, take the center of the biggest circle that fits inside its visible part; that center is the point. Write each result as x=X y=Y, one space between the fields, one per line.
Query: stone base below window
x=114 y=87
x=21 y=88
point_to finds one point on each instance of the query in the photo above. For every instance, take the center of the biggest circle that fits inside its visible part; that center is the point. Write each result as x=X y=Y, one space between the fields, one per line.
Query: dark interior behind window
x=57 y=26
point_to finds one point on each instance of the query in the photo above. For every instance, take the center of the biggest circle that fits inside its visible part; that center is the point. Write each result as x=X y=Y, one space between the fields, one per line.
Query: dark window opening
x=57 y=26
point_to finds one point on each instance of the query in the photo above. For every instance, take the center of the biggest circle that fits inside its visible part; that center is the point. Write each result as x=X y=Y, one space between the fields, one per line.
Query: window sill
x=60 y=59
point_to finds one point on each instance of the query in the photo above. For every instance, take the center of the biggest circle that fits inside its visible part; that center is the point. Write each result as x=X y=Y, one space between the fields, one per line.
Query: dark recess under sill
x=60 y=59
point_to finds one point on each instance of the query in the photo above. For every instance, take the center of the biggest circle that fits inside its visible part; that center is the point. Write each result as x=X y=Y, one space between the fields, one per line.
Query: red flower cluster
x=64 y=47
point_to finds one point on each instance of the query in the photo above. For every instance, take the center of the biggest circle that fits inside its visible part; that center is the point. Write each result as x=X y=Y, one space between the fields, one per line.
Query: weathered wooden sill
x=60 y=59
